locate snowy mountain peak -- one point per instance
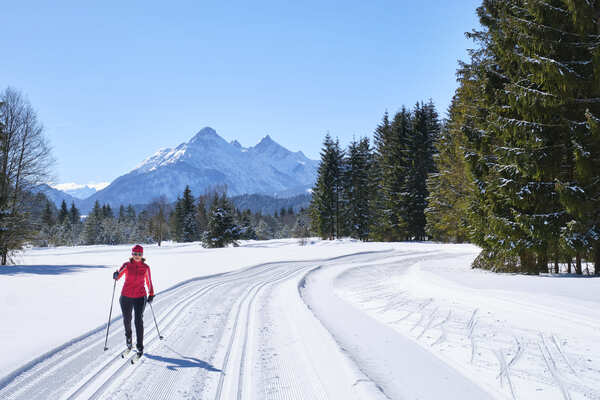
(266, 140)
(268, 145)
(208, 160)
(206, 131)
(206, 135)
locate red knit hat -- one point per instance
(137, 249)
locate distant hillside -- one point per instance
(268, 204)
(56, 196)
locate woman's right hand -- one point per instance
(116, 275)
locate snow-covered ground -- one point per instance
(275, 320)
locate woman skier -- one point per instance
(133, 295)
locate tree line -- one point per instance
(210, 218)
(519, 157)
(380, 192)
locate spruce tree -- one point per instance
(530, 84)
(130, 213)
(382, 136)
(92, 227)
(326, 201)
(396, 168)
(74, 215)
(107, 211)
(122, 216)
(247, 231)
(357, 188)
(451, 187)
(222, 229)
(578, 70)
(189, 228)
(177, 220)
(425, 129)
(63, 213)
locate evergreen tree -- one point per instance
(393, 154)
(122, 216)
(63, 213)
(425, 129)
(247, 231)
(48, 216)
(93, 225)
(222, 230)
(381, 137)
(576, 78)
(357, 189)
(130, 213)
(326, 202)
(177, 220)
(189, 228)
(451, 188)
(529, 71)
(107, 211)
(74, 215)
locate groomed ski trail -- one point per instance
(211, 332)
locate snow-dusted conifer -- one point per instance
(189, 229)
(326, 202)
(357, 187)
(222, 229)
(451, 187)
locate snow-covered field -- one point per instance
(275, 320)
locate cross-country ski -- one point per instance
(136, 358)
(125, 353)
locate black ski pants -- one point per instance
(137, 304)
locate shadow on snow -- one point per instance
(185, 362)
(45, 269)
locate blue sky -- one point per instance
(114, 82)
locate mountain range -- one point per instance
(204, 162)
(82, 192)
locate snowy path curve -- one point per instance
(211, 327)
(519, 337)
(396, 364)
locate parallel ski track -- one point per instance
(251, 295)
(179, 308)
(238, 309)
(82, 347)
(28, 377)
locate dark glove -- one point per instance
(150, 298)
(116, 275)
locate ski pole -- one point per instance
(112, 300)
(154, 316)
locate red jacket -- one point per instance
(136, 274)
